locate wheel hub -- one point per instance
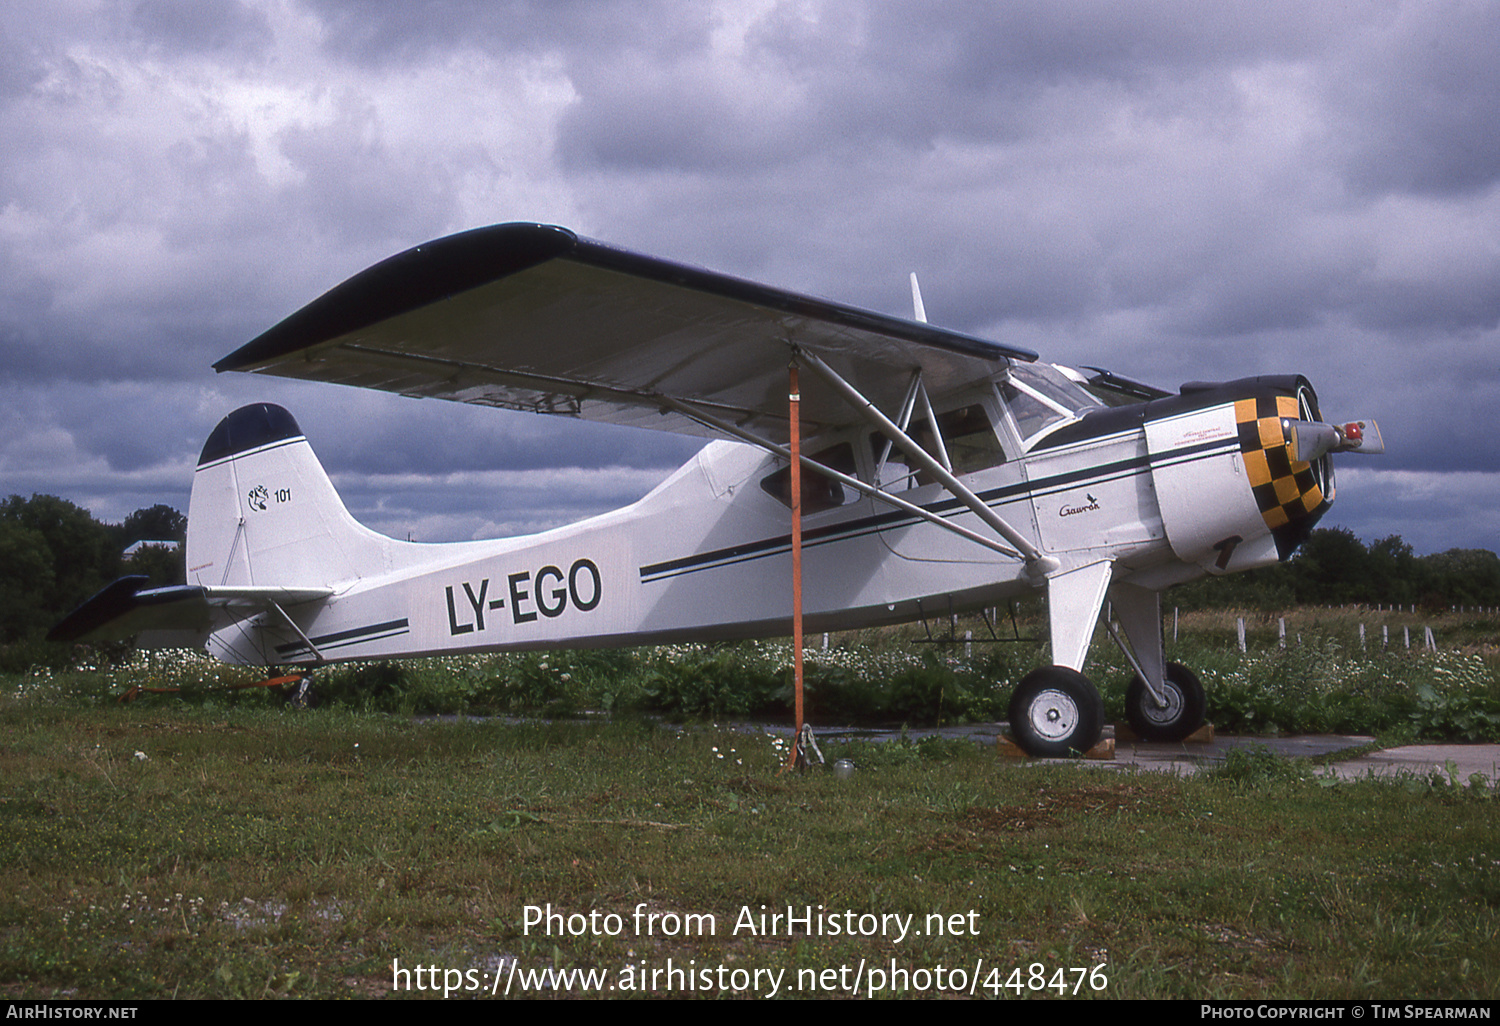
(1053, 715)
(1168, 713)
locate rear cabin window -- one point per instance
(818, 492)
(968, 435)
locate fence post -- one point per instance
(1361, 635)
(1240, 627)
(1281, 632)
(1430, 643)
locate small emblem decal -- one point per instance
(259, 496)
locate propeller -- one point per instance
(1309, 440)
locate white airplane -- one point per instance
(939, 472)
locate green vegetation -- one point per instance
(1334, 568)
(214, 843)
(54, 555)
(1320, 681)
(244, 850)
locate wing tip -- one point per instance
(407, 281)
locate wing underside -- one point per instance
(532, 317)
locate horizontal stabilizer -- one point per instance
(179, 616)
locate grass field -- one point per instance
(220, 847)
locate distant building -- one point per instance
(147, 544)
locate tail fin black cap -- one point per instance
(249, 427)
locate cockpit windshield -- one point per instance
(1042, 397)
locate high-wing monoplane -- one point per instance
(910, 469)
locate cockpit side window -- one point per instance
(1040, 397)
(818, 491)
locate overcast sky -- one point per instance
(1175, 190)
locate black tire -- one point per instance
(301, 695)
(1056, 712)
(1185, 709)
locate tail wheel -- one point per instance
(1056, 711)
(300, 695)
(1182, 714)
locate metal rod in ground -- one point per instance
(794, 403)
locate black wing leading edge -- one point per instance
(533, 317)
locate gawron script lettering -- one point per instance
(1068, 511)
(548, 591)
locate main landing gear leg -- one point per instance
(1056, 710)
(1165, 701)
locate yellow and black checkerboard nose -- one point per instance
(1284, 490)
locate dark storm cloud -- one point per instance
(1175, 190)
(1417, 96)
(820, 76)
(200, 26)
(380, 33)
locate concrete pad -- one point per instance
(1188, 758)
(1184, 758)
(1425, 760)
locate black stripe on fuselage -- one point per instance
(343, 639)
(949, 507)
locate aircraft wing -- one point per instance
(183, 615)
(533, 317)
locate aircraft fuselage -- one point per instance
(1163, 491)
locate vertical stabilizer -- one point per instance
(263, 511)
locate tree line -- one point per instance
(54, 555)
(1334, 568)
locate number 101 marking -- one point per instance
(283, 495)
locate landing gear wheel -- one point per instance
(301, 695)
(1056, 711)
(1184, 709)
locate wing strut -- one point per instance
(902, 422)
(276, 607)
(1039, 564)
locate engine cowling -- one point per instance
(1240, 480)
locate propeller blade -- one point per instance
(1361, 436)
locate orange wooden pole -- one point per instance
(794, 403)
